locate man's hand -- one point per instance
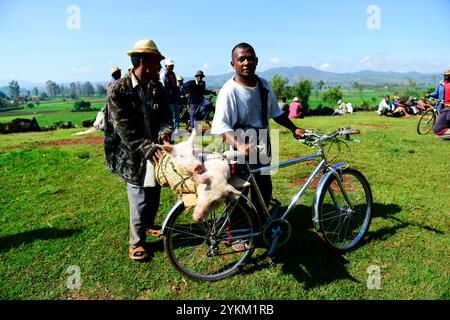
(298, 133)
(157, 156)
(246, 148)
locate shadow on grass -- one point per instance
(388, 211)
(306, 256)
(23, 238)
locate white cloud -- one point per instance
(206, 65)
(364, 59)
(275, 60)
(79, 70)
(325, 66)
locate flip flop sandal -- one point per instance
(153, 232)
(138, 253)
(241, 246)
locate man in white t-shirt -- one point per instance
(242, 106)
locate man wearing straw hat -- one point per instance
(169, 80)
(115, 75)
(137, 119)
(442, 91)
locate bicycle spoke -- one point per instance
(341, 225)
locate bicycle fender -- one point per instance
(319, 190)
(178, 206)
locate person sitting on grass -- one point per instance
(341, 110)
(422, 104)
(399, 108)
(411, 106)
(296, 109)
(385, 107)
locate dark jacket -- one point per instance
(171, 86)
(132, 129)
(196, 91)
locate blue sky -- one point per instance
(337, 36)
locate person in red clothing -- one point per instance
(295, 109)
(442, 91)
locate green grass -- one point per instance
(60, 207)
(53, 111)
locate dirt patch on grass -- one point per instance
(379, 125)
(63, 142)
(301, 182)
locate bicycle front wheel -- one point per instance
(426, 122)
(345, 214)
(212, 249)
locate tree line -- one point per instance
(74, 90)
(303, 89)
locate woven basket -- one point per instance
(168, 174)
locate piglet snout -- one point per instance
(199, 169)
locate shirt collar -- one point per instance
(135, 82)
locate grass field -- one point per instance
(50, 112)
(61, 208)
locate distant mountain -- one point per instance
(293, 74)
(331, 78)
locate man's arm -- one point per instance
(230, 138)
(287, 123)
(435, 94)
(124, 123)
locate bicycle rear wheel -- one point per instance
(426, 122)
(212, 249)
(344, 219)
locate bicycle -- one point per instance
(220, 246)
(428, 118)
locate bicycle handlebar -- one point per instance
(308, 136)
(311, 135)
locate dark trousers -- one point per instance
(264, 182)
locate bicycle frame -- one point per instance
(322, 166)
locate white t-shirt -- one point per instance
(237, 104)
(349, 107)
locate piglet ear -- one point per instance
(201, 178)
(167, 149)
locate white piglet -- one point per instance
(184, 156)
(213, 187)
(212, 177)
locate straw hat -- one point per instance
(295, 99)
(114, 70)
(180, 78)
(446, 72)
(146, 46)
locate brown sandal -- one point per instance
(137, 253)
(153, 232)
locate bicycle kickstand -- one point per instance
(276, 232)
